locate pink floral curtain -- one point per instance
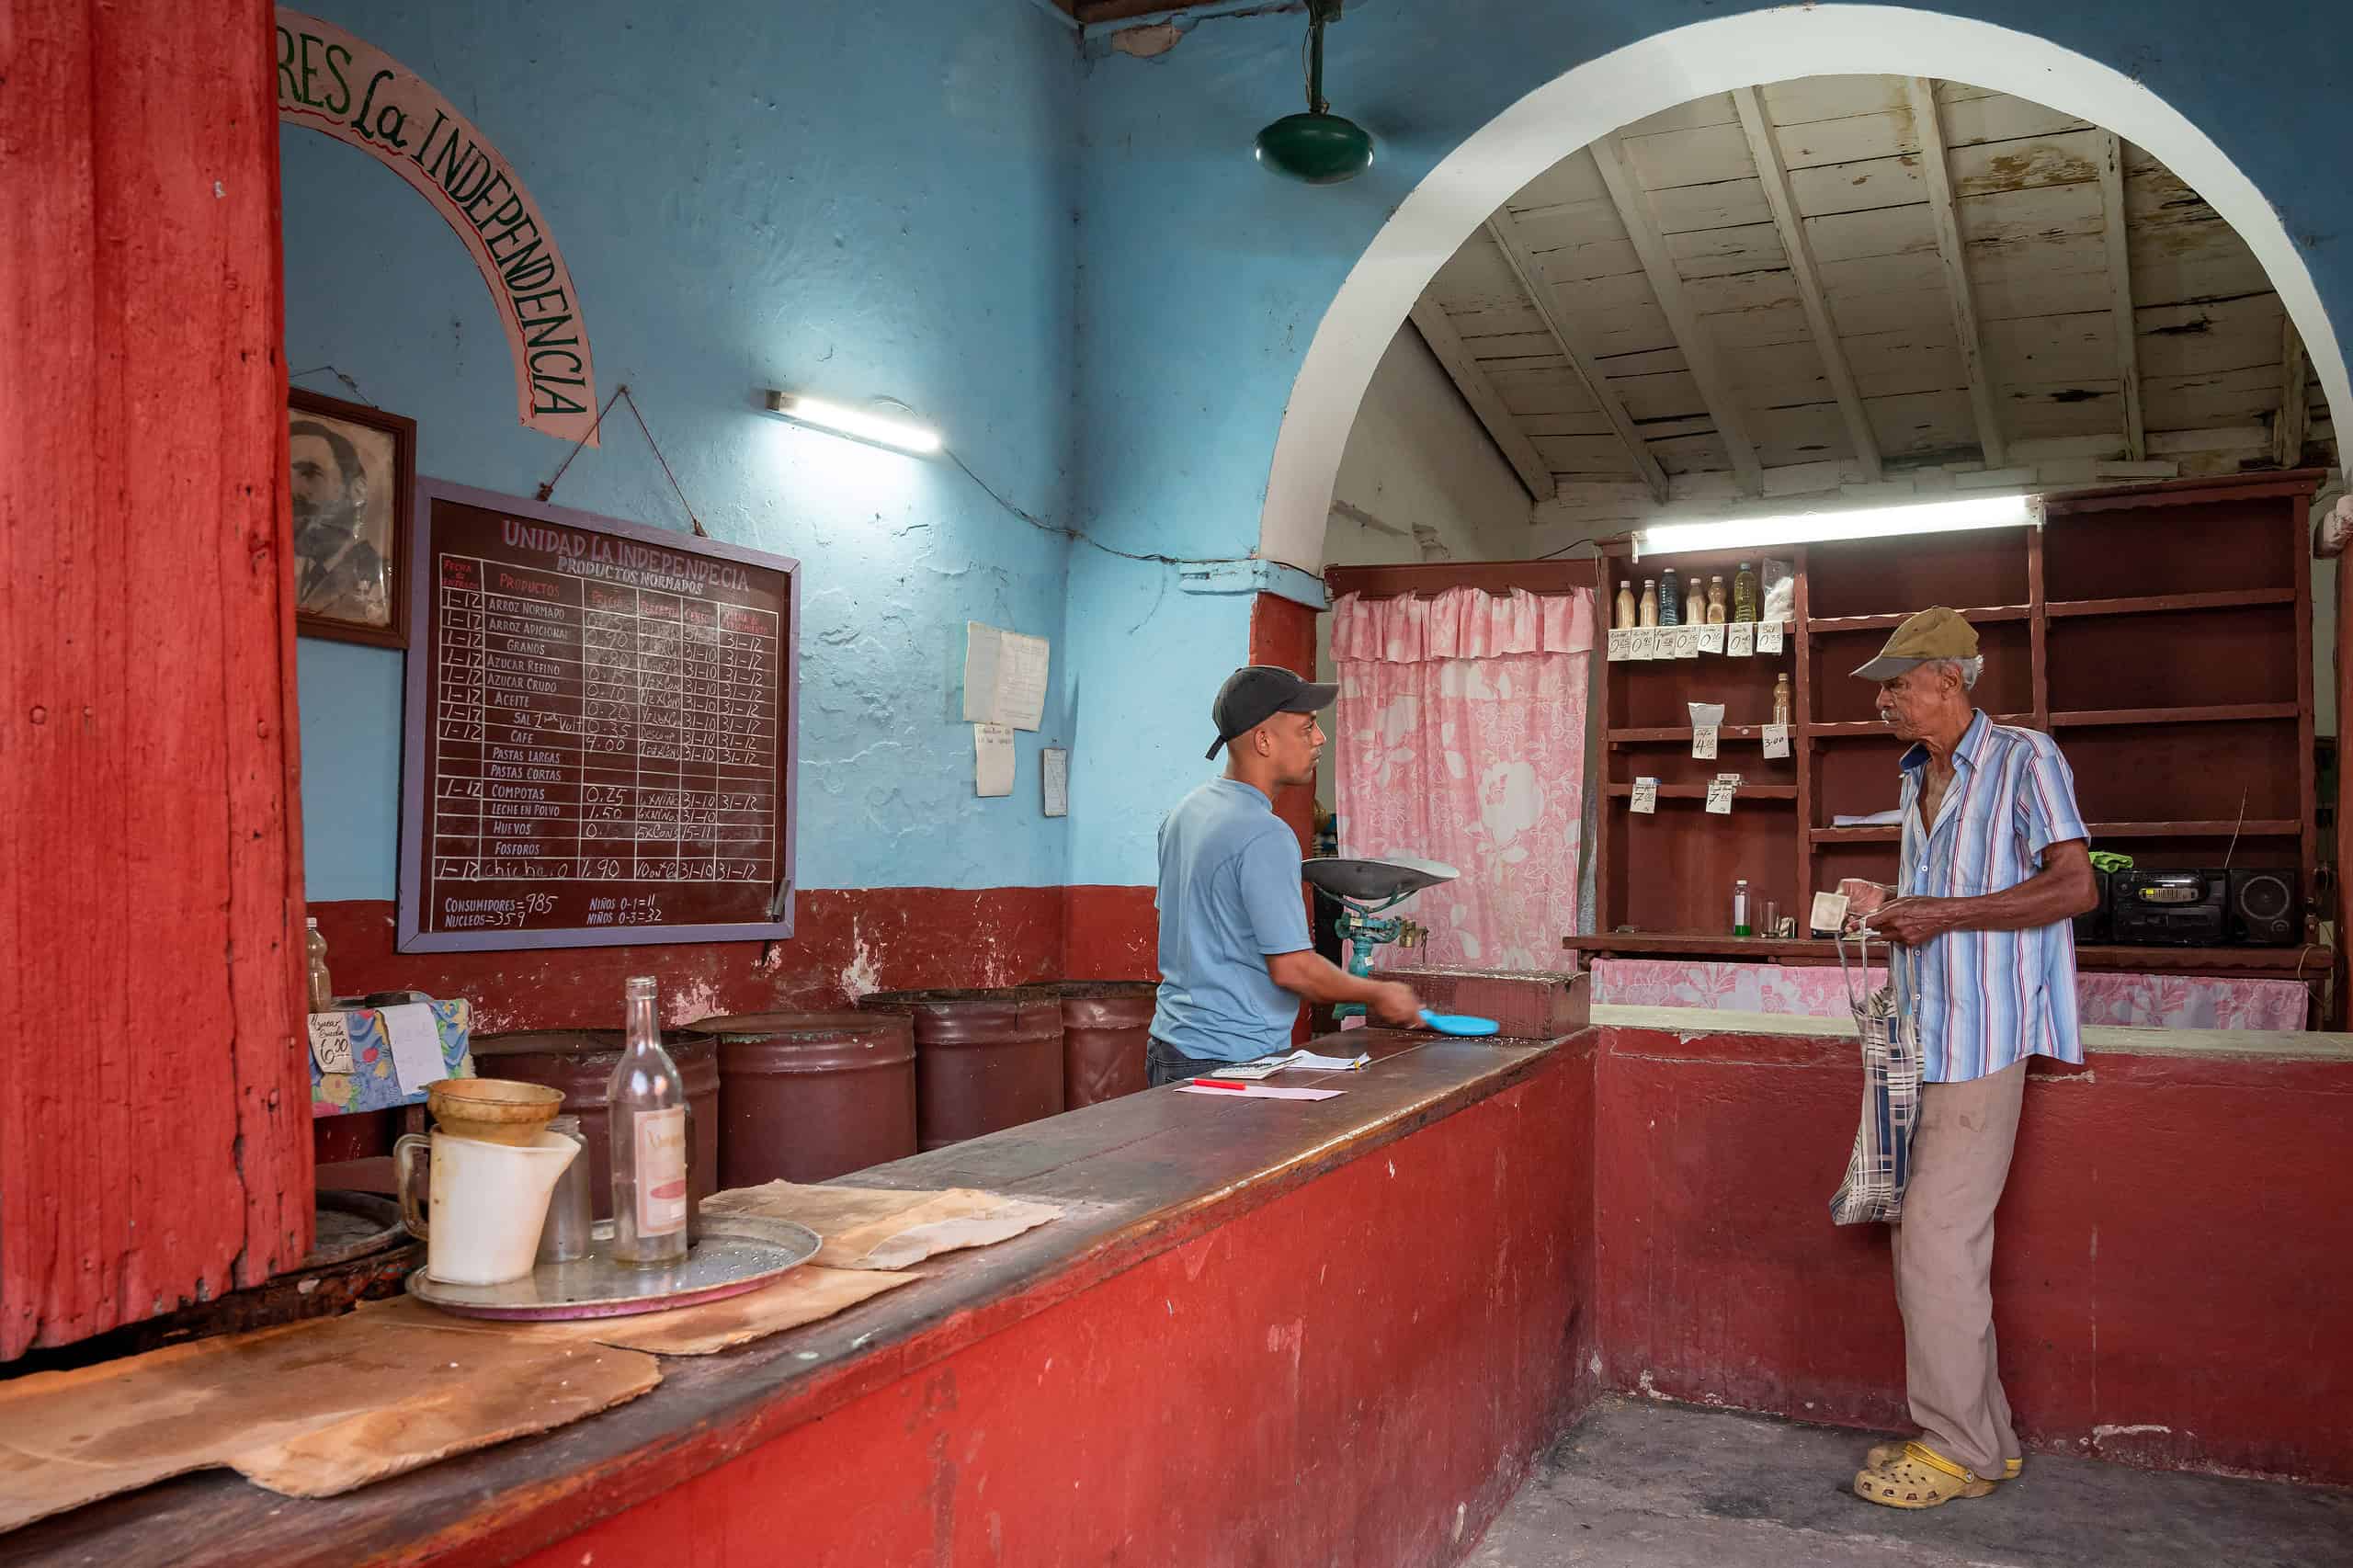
(1462, 739)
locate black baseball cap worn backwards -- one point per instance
(1256, 693)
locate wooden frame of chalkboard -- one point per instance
(575, 687)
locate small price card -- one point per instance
(1768, 636)
(1704, 741)
(1645, 802)
(1650, 643)
(331, 1043)
(1776, 740)
(1622, 644)
(1686, 641)
(1712, 638)
(1719, 795)
(1740, 639)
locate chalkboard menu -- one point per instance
(600, 725)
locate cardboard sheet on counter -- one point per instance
(308, 1410)
(868, 1227)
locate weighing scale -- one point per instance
(1363, 889)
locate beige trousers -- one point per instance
(1944, 1261)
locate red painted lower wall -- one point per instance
(2172, 1273)
(1358, 1373)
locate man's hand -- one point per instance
(1913, 921)
(1393, 1002)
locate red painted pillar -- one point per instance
(1282, 632)
(154, 1112)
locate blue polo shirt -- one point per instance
(1229, 898)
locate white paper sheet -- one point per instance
(992, 760)
(1053, 777)
(1258, 1092)
(1645, 797)
(416, 1046)
(1740, 639)
(1776, 740)
(1005, 677)
(1704, 741)
(1622, 644)
(331, 1043)
(1712, 638)
(1768, 636)
(1720, 794)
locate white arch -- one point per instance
(1674, 67)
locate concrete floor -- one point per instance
(1645, 1485)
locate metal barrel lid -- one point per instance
(1004, 1015)
(810, 1042)
(583, 1042)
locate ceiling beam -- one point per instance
(2119, 288)
(1523, 264)
(1691, 335)
(1946, 215)
(1429, 319)
(2287, 429)
(1767, 154)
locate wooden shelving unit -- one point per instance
(2162, 633)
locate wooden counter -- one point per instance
(1137, 1176)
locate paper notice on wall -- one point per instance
(1054, 775)
(1719, 792)
(1704, 741)
(1776, 740)
(1645, 802)
(1005, 677)
(1622, 644)
(416, 1046)
(992, 760)
(331, 1043)
(1712, 638)
(1768, 636)
(1740, 639)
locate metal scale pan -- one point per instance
(1379, 882)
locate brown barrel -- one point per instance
(1107, 1030)
(580, 1062)
(984, 1060)
(813, 1094)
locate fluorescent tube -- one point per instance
(882, 430)
(1806, 528)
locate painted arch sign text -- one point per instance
(332, 81)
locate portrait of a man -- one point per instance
(348, 473)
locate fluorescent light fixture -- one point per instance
(902, 435)
(1805, 528)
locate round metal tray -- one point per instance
(738, 1253)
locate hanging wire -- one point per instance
(1082, 537)
(621, 394)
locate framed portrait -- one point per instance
(352, 470)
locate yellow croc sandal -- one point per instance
(1885, 1454)
(1918, 1478)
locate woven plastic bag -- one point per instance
(1881, 1162)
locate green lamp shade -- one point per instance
(1321, 149)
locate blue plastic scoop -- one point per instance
(1458, 1023)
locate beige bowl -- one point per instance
(496, 1111)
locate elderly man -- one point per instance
(1993, 866)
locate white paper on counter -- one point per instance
(416, 1046)
(1776, 740)
(992, 760)
(1259, 1092)
(1005, 677)
(1768, 636)
(1053, 777)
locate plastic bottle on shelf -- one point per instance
(1781, 696)
(322, 987)
(1650, 602)
(1695, 601)
(1670, 599)
(1626, 610)
(1740, 926)
(1716, 607)
(1743, 593)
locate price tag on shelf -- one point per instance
(1776, 740)
(1704, 741)
(1768, 636)
(1712, 638)
(1740, 639)
(1719, 795)
(1645, 800)
(1646, 642)
(1686, 641)
(1622, 644)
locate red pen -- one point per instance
(1214, 1084)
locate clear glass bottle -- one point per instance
(1670, 599)
(1716, 607)
(1650, 602)
(1743, 592)
(1627, 611)
(322, 986)
(1781, 696)
(646, 1109)
(1740, 926)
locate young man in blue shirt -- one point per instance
(1236, 958)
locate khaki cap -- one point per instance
(1937, 633)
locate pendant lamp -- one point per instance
(1317, 147)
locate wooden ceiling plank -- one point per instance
(1941, 208)
(1799, 252)
(1503, 230)
(1690, 334)
(1430, 320)
(2288, 430)
(2119, 282)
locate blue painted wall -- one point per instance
(1203, 279)
(856, 200)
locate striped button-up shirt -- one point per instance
(1987, 999)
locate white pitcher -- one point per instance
(488, 1201)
